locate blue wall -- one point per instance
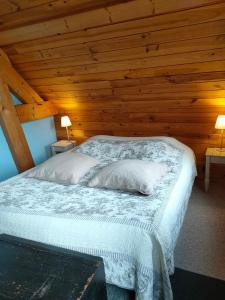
(39, 134)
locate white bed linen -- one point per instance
(66, 232)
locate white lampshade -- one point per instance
(65, 121)
(220, 122)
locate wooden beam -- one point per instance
(34, 111)
(13, 131)
(16, 83)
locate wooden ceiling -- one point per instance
(141, 67)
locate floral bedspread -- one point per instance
(119, 226)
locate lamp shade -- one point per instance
(65, 121)
(220, 122)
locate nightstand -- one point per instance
(62, 146)
(215, 156)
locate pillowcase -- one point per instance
(66, 168)
(130, 175)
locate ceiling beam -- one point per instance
(11, 115)
(16, 83)
(13, 131)
(34, 111)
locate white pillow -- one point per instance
(66, 168)
(130, 175)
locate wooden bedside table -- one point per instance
(62, 146)
(215, 156)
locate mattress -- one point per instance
(134, 234)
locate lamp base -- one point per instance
(67, 132)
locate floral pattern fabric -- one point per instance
(136, 214)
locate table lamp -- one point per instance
(220, 124)
(65, 122)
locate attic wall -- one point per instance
(137, 68)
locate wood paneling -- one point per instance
(124, 67)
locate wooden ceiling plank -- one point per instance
(77, 49)
(143, 8)
(142, 86)
(151, 62)
(75, 94)
(145, 99)
(173, 128)
(182, 69)
(211, 77)
(106, 96)
(118, 80)
(13, 131)
(162, 6)
(131, 10)
(116, 115)
(94, 85)
(78, 79)
(148, 105)
(185, 69)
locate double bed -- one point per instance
(135, 234)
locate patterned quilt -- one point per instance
(121, 227)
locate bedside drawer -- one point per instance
(65, 148)
(62, 146)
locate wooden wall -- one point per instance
(131, 68)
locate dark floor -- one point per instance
(191, 286)
(185, 285)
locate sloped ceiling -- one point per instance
(142, 67)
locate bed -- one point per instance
(135, 234)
